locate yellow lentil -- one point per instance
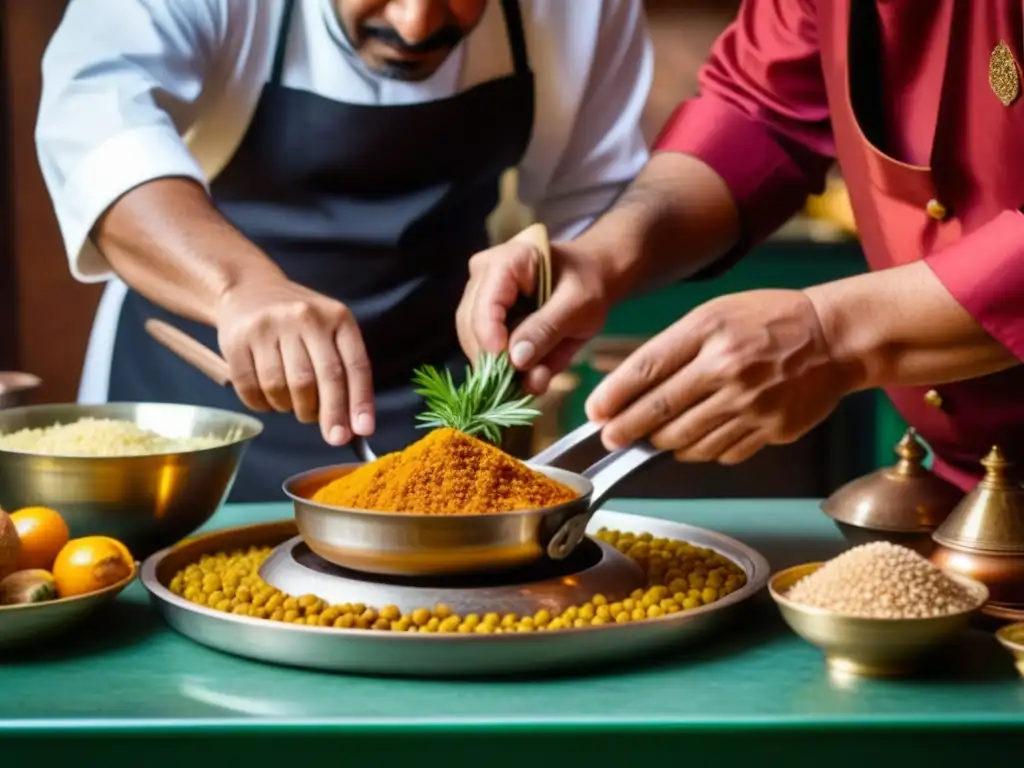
(680, 577)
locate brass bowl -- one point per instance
(869, 647)
(1012, 638)
(147, 502)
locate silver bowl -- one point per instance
(147, 502)
(411, 544)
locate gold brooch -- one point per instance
(1003, 75)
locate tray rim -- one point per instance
(757, 569)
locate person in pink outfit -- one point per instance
(920, 103)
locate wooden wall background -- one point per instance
(45, 315)
(53, 312)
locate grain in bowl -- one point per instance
(883, 581)
(102, 438)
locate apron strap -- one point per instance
(282, 42)
(516, 38)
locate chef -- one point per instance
(300, 183)
(921, 104)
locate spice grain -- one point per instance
(445, 473)
(882, 581)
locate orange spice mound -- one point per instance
(445, 473)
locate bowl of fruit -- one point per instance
(50, 582)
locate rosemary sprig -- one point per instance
(487, 402)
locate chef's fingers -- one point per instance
(331, 385)
(656, 407)
(301, 378)
(360, 378)
(271, 376)
(501, 275)
(744, 449)
(690, 429)
(561, 356)
(650, 365)
(538, 378)
(711, 446)
(243, 377)
(541, 333)
(464, 322)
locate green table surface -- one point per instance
(125, 684)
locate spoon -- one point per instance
(216, 367)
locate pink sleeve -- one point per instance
(761, 120)
(984, 272)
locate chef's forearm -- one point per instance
(677, 217)
(167, 241)
(901, 327)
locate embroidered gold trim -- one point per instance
(1003, 74)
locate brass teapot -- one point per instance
(983, 538)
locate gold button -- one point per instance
(933, 398)
(936, 210)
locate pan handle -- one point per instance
(605, 475)
(608, 473)
(575, 451)
(214, 366)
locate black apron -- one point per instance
(377, 207)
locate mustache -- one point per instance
(445, 38)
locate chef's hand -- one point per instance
(736, 374)
(547, 340)
(292, 349)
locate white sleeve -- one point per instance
(121, 79)
(606, 149)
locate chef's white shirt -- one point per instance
(136, 90)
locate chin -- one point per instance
(408, 70)
(404, 72)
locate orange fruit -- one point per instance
(90, 564)
(43, 534)
(10, 545)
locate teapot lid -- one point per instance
(905, 497)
